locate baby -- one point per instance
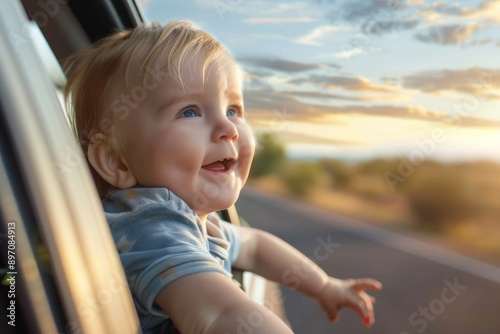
(159, 114)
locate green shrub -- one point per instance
(340, 173)
(270, 155)
(437, 197)
(300, 178)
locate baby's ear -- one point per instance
(108, 164)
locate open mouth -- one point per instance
(220, 166)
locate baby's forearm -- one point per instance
(280, 262)
(255, 319)
(271, 257)
(210, 302)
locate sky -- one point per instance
(362, 79)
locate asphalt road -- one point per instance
(426, 289)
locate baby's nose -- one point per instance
(225, 130)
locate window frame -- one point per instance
(67, 214)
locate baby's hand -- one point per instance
(340, 293)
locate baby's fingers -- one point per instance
(369, 318)
(361, 284)
(362, 304)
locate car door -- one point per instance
(60, 269)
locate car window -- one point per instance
(67, 272)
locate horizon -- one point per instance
(360, 155)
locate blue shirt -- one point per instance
(160, 239)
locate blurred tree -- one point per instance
(269, 157)
(438, 196)
(340, 173)
(301, 178)
(378, 166)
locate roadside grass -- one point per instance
(454, 206)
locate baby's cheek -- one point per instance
(245, 159)
(246, 142)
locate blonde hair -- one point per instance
(98, 75)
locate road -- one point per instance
(426, 289)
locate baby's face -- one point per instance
(193, 140)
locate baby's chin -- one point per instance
(220, 204)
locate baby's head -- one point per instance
(162, 106)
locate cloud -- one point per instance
(376, 17)
(321, 96)
(439, 12)
(350, 53)
(413, 112)
(239, 40)
(488, 10)
(357, 97)
(278, 20)
(379, 17)
(303, 139)
(266, 103)
(361, 9)
(359, 84)
(256, 79)
(281, 65)
(380, 27)
(319, 35)
(480, 82)
(449, 34)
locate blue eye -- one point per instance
(231, 113)
(190, 112)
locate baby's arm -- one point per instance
(210, 302)
(274, 259)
